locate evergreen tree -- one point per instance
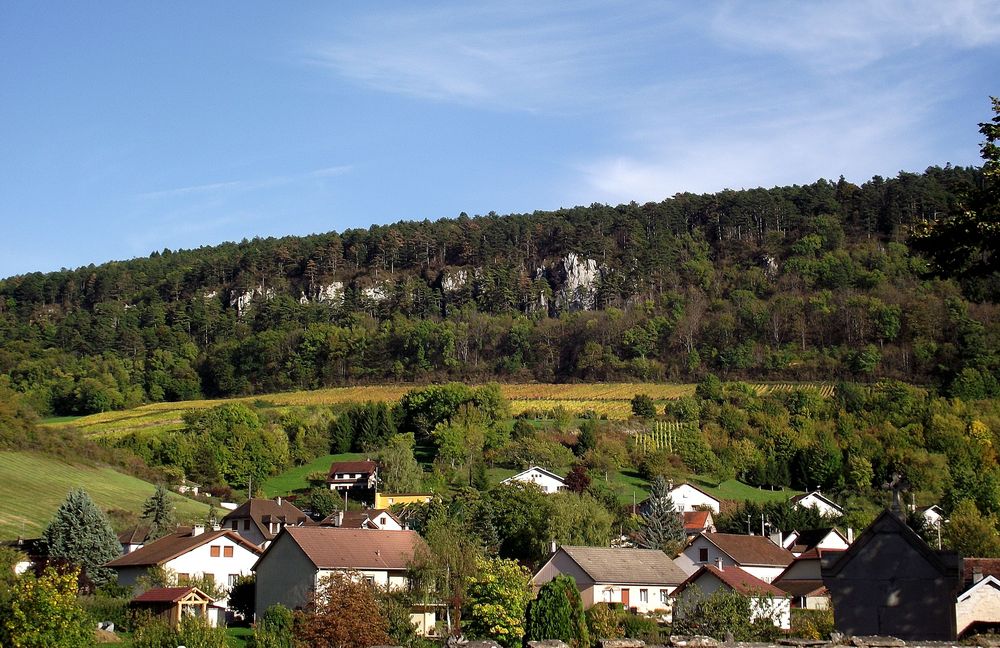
(661, 527)
(81, 534)
(557, 613)
(158, 513)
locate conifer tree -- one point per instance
(557, 613)
(661, 527)
(158, 513)
(81, 534)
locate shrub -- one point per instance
(812, 624)
(603, 622)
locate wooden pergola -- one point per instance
(174, 603)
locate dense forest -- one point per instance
(792, 283)
(897, 278)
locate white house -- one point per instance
(756, 555)
(823, 504)
(548, 481)
(642, 579)
(980, 604)
(300, 557)
(766, 600)
(803, 579)
(933, 515)
(800, 542)
(689, 498)
(220, 556)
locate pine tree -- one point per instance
(158, 513)
(81, 534)
(661, 527)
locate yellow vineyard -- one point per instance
(611, 400)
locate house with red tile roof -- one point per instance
(696, 522)
(803, 579)
(191, 552)
(292, 566)
(766, 600)
(757, 555)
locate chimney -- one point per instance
(718, 563)
(977, 574)
(197, 530)
(216, 527)
(338, 519)
(278, 499)
(850, 535)
(553, 546)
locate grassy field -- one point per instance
(33, 486)
(295, 478)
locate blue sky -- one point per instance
(129, 127)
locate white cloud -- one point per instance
(246, 185)
(843, 36)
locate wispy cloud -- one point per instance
(246, 185)
(838, 37)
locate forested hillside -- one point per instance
(815, 282)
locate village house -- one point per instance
(696, 522)
(766, 600)
(803, 580)
(548, 481)
(292, 567)
(639, 579)
(353, 476)
(757, 555)
(817, 500)
(219, 556)
(890, 582)
(977, 610)
(688, 498)
(800, 542)
(133, 538)
(375, 519)
(388, 500)
(259, 520)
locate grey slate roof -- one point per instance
(626, 566)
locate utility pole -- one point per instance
(749, 518)
(762, 525)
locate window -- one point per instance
(235, 524)
(643, 596)
(232, 579)
(664, 596)
(703, 555)
(381, 521)
(183, 578)
(246, 525)
(227, 552)
(607, 595)
(370, 580)
(214, 550)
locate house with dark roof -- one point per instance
(803, 580)
(220, 556)
(259, 520)
(800, 542)
(378, 520)
(766, 600)
(639, 579)
(817, 500)
(757, 555)
(293, 565)
(353, 476)
(134, 538)
(891, 582)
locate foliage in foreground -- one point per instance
(557, 613)
(343, 613)
(498, 599)
(43, 612)
(725, 612)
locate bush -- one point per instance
(101, 608)
(812, 624)
(643, 406)
(274, 629)
(637, 626)
(604, 622)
